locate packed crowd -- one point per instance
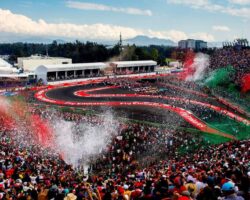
(141, 145)
(169, 86)
(133, 85)
(238, 58)
(142, 162)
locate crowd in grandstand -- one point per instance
(142, 162)
(133, 85)
(238, 58)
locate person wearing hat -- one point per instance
(127, 192)
(70, 196)
(229, 192)
(191, 188)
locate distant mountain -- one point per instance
(41, 40)
(142, 40)
(12, 38)
(214, 44)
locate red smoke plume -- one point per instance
(41, 130)
(15, 115)
(188, 70)
(245, 83)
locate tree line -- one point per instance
(81, 52)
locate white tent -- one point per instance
(134, 66)
(43, 70)
(3, 63)
(141, 63)
(6, 68)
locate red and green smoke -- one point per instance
(245, 83)
(14, 115)
(188, 69)
(219, 77)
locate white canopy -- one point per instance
(3, 63)
(140, 63)
(6, 68)
(70, 67)
(42, 70)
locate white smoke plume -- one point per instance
(201, 63)
(78, 143)
(4, 105)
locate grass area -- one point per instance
(209, 138)
(224, 124)
(235, 96)
(16, 98)
(228, 125)
(170, 60)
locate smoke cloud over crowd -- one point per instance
(78, 143)
(199, 66)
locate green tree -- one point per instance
(154, 54)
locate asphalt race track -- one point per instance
(163, 109)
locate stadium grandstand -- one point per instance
(68, 71)
(32, 62)
(131, 67)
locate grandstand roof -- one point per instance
(70, 67)
(134, 63)
(15, 75)
(3, 63)
(41, 57)
(7, 70)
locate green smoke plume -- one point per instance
(220, 77)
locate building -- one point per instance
(175, 64)
(192, 44)
(3, 63)
(32, 62)
(48, 73)
(131, 67)
(6, 68)
(17, 80)
(182, 44)
(237, 43)
(46, 69)
(200, 44)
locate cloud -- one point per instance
(240, 2)
(202, 36)
(15, 24)
(212, 7)
(20, 24)
(196, 4)
(193, 3)
(221, 28)
(176, 35)
(239, 12)
(102, 7)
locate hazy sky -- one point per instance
(104, 20)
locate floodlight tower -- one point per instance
(120, 43)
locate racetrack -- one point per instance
(163, 109)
